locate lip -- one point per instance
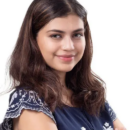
(66, 56)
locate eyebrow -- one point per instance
(77, 30)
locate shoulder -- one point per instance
(26, 99)
(22, 99)
(116, 122)
(110, 111)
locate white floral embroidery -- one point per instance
(83, 128)
(107, 127)
(13, 97)
(23, 99)
(106, 124)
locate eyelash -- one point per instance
(60, 35)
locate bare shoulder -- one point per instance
(118, 124)
(33, 120)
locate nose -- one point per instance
(67, 44)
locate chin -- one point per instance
(67, 69)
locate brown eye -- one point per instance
(78, 35)
(55, 36)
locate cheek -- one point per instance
(81, 47)
(46, 46)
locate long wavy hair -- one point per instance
(27, 66)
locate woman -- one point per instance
(54, 86)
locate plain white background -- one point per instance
(109, 22)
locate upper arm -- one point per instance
(110, 110)
(32, 120)
(117, 124)
(27, 111)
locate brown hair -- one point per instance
(28, 68)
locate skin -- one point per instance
(62, 43)
(118, 125)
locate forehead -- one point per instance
(68, 23)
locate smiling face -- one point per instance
(62, 41)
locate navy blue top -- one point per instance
(68, 118)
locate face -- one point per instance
(61, 46)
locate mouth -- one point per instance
(66, 58)
(66, 55)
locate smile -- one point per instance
(66, 58)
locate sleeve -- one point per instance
(110, 111)
(23, 99)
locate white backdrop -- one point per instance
(109, 22)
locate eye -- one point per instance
(78, 34)
(55, 36)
